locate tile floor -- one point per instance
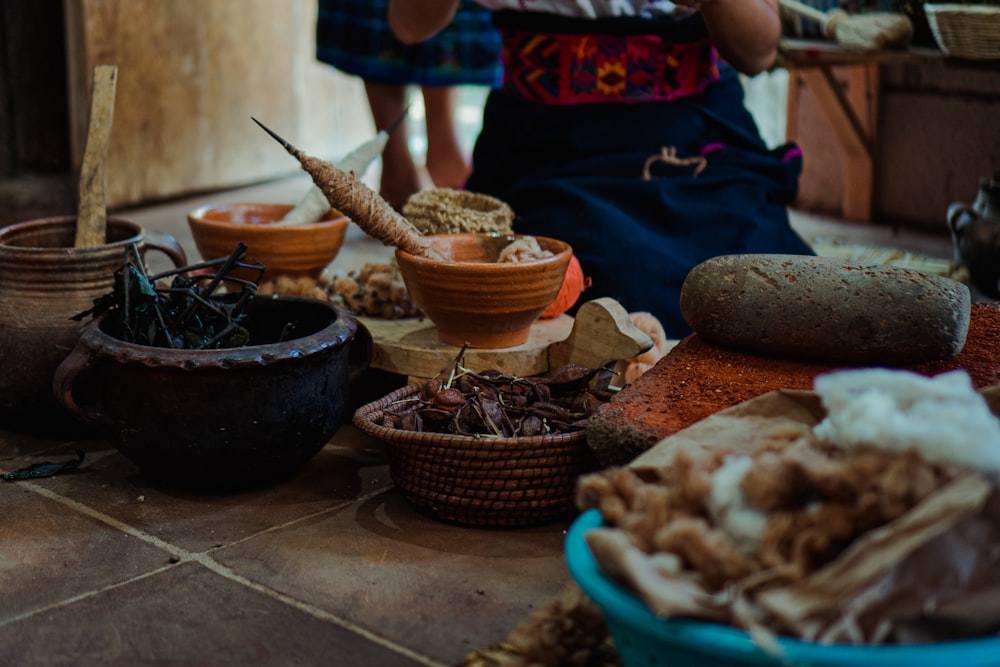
(332, 567)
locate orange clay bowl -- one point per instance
(476, 301)
(290, 250)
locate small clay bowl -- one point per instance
(285, 250)
(474, 300)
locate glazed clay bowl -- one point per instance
(474, 300)
(44, 282)
(228, 418)
(297, 250)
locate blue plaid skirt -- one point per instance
(354, 36)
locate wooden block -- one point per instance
(411, 347)
(601, 332)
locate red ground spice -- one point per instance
(698, 378)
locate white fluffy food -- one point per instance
(944, 417)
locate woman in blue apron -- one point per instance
(620, 128)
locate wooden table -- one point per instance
(853, 113)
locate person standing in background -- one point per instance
(620, 128)
(354, 37)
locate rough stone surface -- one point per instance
(826, 309)
(698, 378)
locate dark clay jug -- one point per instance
(975, 233)
(222, 419)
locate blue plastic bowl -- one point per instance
(642, 639)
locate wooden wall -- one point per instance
(937, 135)
(191, 73)
(35, 162)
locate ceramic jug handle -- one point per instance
(960, 214)
(166, 244)
(78, 361)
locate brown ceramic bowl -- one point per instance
(473, 299)
(290, 250)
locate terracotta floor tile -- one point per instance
(50, 552)
(349, 467)
(187, 615)
(441, 589)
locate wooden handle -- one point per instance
(91, 221)
(805, 11)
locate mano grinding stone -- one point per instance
(826, 309)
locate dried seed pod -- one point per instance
(430, 388)
(470, 418)
(466, 384)
(448, 399)
(571, 374)
(435, 415)
(542, 393)
(530, 426)
(494, 417)
(550, 411)
(411, 421)
(517, 401)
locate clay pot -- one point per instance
(221, 419)
(472, 298)
(284, 250)
(975, 233)
(44, 282)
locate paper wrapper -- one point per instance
(932, 574)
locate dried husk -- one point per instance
(930, 575)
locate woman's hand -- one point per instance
(415, 21)
(745, 32)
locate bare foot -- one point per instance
(397, 191)
(397, 186)
(447, 171)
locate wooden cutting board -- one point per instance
(600, 333)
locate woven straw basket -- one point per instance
(966, 31)
(481, 480)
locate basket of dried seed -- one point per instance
(488, 449)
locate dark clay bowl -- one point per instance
(221, 419)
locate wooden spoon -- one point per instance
(92, 217)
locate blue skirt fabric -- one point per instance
(354, 37)
(575, 172)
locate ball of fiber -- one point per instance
(573, 285)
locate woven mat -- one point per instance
(887, 255)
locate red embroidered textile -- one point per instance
(553, 68)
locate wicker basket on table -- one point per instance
(480, 480)
(966, 30)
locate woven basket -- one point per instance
(481, 480)
(966, 31)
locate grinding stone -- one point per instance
(826, 309)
